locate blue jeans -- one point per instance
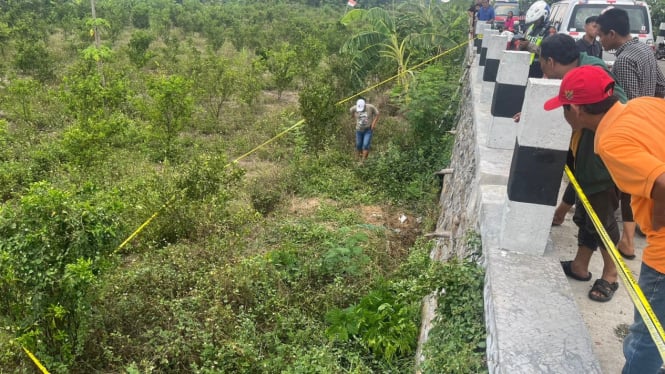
(641, 354)
(363, 139)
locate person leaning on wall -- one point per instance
(637, 71)
(629, 139)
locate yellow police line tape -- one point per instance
(166, 204)
(636, 295)
(147, 222)
(448, 51)
(35, 360)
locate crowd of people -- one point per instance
(617, 154)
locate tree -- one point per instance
(321, 113)
(377, 36)
(171, 108)
(138, 48)
(283, 64)
(415, 32)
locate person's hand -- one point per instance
(517, 117)
(523, 45)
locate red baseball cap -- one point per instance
(586, 84)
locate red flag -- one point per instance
(351, 3)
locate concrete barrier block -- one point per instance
(486, 92)
(492, 199)
(514, 68)
(525, 227)
(483, 48)
(496, 45)
(502, 133)
(481, 26)
(480, 30)
(540, 128)
(533, 323)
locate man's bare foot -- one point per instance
(560, 214)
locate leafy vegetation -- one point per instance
(457, 338)
(144, 231)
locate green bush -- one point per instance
(266, 190)
(55, 243)
(456, 342)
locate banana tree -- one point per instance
(377, 42)
(417, 31)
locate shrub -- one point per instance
(322, 114)
(266, 190)
(456, 342)
(386, 321)
(55, 243)
(138, 48)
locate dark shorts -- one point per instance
(626, 210)
(604, 204)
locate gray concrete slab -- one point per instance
(533, 317)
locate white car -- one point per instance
(568, 17)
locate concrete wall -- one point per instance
(532, 321)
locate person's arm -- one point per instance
(630, 78)
(491, 15)
(376, 119)
(658, 197)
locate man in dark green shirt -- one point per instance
(559, 55)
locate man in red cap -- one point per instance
(630, 141)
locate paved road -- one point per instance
(606, 322)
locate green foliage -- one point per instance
(433, 102)
(404, 171)
(55, 241)
(329, 174)
(88, 95)
(386, 321)
(170, 109)
(405, 174)
(266, 190)
(318, 106)
(347, 258)
(20, 93)
(228, 78)
(283, 64)
(657, 14)
(89, 141)
(138, 48)
(456, 342)
(145, 123)
(141, 16)
(34, 59)
(384, 326)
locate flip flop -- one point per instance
(604, 288)
(627, 257)
(567, 269)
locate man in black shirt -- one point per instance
(588, 43)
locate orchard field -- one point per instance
(179, 193)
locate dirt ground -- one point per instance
(404, 228)
(607, 322)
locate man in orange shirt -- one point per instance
(630, 141)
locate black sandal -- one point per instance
(568, 270)
(604, 288)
